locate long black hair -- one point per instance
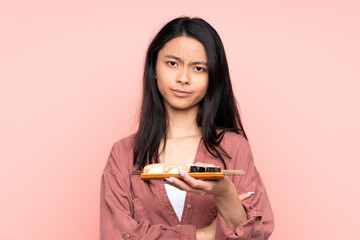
(217, 111)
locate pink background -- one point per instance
(70, 85)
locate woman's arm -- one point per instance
(225, 195)
(116, 220)
(259, 222)
(117, 206)
(208, 233)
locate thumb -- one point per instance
(244, 196)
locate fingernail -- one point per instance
(250, 193)
(169, 180)
(181, 173)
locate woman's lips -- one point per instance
(180, 93)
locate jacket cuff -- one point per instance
(243, 231)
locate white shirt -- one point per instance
(177, 199)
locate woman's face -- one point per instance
(182, 73)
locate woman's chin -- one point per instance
(182, 107)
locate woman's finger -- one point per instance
(198, 184)
(182, 185)
(244, 196)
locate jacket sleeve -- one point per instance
(260, 219)
(116, 211)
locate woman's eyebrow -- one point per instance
(180, 60)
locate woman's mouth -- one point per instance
(180, 93)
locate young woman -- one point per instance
(188, 115)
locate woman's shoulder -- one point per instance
(234, 144)
(239, 150)
(124, 143)
(120, 157)
(234, 139)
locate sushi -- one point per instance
(213, 169)
(196, 169)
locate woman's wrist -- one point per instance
(230, 206)
(228, 190)
(207, 233)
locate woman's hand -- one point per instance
(224, 192)
(201, 187)
(217, 188)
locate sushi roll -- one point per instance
(213, 169)
(196, 169)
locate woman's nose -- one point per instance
(183, 77)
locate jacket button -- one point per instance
(126, 235)
(188, 206)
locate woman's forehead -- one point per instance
(185, 48)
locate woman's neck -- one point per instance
(182, 123)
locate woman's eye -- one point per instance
(199, 69)
(171, 63)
